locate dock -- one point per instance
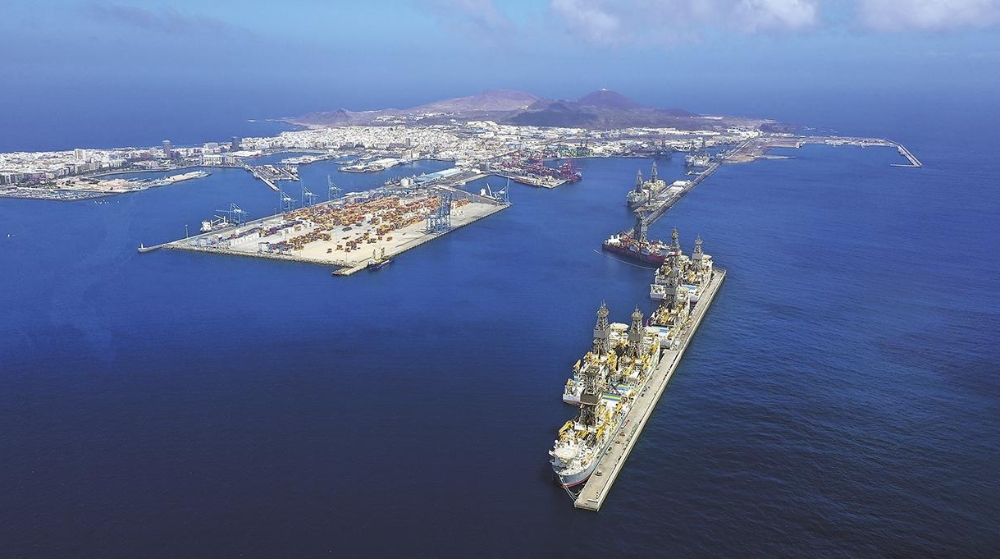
(756, 148)
(306, 236)
(655, 210)
(592, 496)
(799, 141)
(269, 174)
(914, 162)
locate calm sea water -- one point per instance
(841, 398)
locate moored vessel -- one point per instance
(378, 262)
(634, 245)
(610, 375)
(645, 191)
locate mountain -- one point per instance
(601, 109)
(492, 100)
(606, 99)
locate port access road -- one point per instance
(597, 487)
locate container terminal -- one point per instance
(618, 383)
(348, 232)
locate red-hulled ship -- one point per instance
(568, 173)
(635, 246)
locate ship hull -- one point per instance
(573, 480)
(647, 257)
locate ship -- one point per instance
(612, 374)
(657, 289)
(568, 173)
(697, 160)
(378, 262)
(679, 285)
(219, 222)
(634, 245)
(645, 191)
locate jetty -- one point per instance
(592, 496)
(756, 148)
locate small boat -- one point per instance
(378, 262)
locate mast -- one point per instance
(697, 254)
(593, 380)
(602, 332)
(635, 334)
(673, 283)
(639, 232)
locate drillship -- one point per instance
(690, 270)
(611, 377)
(645, 191)
(678, 287)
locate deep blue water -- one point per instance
(841, 398)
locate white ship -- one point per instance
(697, 160)
(610, 377)
(679, 284)
(645, 191)
(690, 275)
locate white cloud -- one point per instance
(760, 15)
(657, 21)
(589, 19)
(927, 15)
(611, 22)
(480, 14)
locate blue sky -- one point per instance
(327, 54)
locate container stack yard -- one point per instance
(349, 232)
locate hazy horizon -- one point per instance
(316, 56)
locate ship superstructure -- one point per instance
(605, 383)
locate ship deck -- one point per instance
(596, 489)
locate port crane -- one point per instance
(502, 195)
(439, 221)
(308, 198)
(235, 214)
(334, 190)
(286, 201)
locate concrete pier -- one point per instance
(914, 162)
(655, 210)
(597, 487)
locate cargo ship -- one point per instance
(612, 374)
(645, 191)
(378, 262)
(635, 246)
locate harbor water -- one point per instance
(840, 399)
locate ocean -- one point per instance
(840, 399)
